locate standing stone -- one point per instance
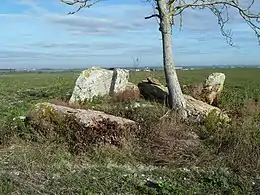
(121, 77)
(209, 91)
(213, 87)
(99, 82)
(215, 79)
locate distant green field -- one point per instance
(18, 92)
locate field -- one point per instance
(228, 163)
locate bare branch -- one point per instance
(155, 10)
(219, 8)
(152, 16)
(83, 4)
(204, 4)
(222, 21)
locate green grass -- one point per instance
(33, 169)
(20, 91)
(228, 163)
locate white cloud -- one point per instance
(113, 32)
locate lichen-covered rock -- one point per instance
(87, 127)
(215, 79)
(153, 80)
(130, 93)
(99, 82)
(120, 80)
(209, 91)
(213, 87)
(197, 110)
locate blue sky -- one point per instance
(39, 34)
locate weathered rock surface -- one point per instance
(152, 80)
(99, 82)
(86, 117)
(215, 79)
(197, 110)
(94, 127)
(209, 91)
(213, 87)
(130, 93)
(153, 92)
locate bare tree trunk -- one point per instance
(176, 98)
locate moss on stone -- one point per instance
(46, 111)
(86, 73)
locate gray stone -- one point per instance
(153, 92)
(121, 77)
(153, 80)
(85, 116)
(215, 79)
(47, 117)
(99, 82)
(209, 91)
(213, 87)
(197, 110)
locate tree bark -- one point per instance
(176, 99)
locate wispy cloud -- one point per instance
(97, 26)
(40, 33)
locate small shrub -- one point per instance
(171, 142)
(235, 145)
(194, 90)
(127, 95)
(144, 116)
(250, 110)
(11, 128)
(214, 121)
